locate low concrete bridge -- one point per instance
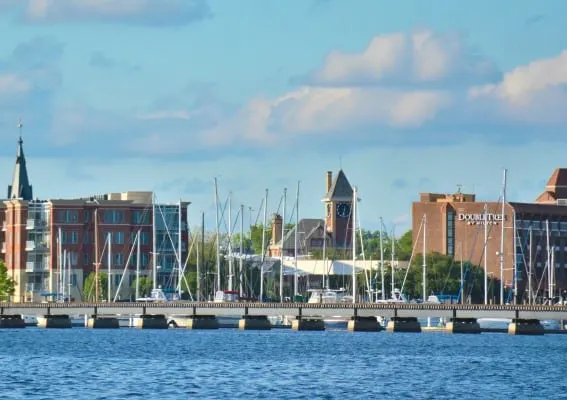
(291, 309)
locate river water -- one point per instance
(80, 363)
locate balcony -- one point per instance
(36, 246)
(35, 224)
(37, 266)
(35, 287)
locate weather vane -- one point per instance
(20, 126)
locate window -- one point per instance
(74, 257)
(85, 258)
(450, 232)
(144, 238)
(113, 217)
(554, 226)
(140, 218)
(118, 237)
(117, 279)
(67, 216)
(145, 259)
(316, 242)
(86, 216)
(86, 238)
(74, 237)
(118, 259)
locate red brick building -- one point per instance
(36, 233)
(455, 225)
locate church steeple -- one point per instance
(20, 187)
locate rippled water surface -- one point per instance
(226, 364)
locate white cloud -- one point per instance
(147, 12)
(11, 84)
(422, 57)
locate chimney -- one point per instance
(329, 180)
(277, 222)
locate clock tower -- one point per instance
(338, 209)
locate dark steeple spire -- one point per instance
(20, 187)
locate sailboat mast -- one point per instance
(354, 198)
(241, 259)
(326, 269)
(503, 221)
(530, 300)
(548, 259)
(392, 261)
(485, 253)
(217, 236)
(230, 264)
(515, 259)
(97, 260)
(59, 258)
(62, 276)
(424, 277)
(382, 260)
(179, 247)
(282, 247)
(263, 246)
(462, 278)
(138, 262)
(69, 277)
(108, 280)
(201, 263)
(296, 242)
(154, 244)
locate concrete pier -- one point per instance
(202, 322)
(403, 324)
(462, 325)
(12, 321)
(151, 321)
(364, 324)
(98, 322)
(520, 326)
(54, 321)
(254, 322)
(308, 324)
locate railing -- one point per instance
(32, 245)
(34, 266)
(34, 223)
(35, 288)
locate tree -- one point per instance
(89, 287)
(7, 284)
(146, 285)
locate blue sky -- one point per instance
(164, 95)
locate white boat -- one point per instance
(30, 319)
(397, 297)
(226, 296)
(326, 296)
(158, 296)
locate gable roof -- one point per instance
(340, 190)
(309, 228)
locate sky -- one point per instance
(165, 95)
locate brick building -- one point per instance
(455, 225)
(311, 234)
(36, 234)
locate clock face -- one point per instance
(343, 210)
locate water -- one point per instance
(228, 364)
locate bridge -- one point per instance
(540, 312)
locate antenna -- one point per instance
(459, 187)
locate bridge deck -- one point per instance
(294, 309)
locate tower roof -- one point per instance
(20, 187)
(340, 190)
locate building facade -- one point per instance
(335, 228)
(534, 235)
(50, 246)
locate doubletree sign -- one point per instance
(481, 219)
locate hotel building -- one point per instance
(455, 224)
(35, 235)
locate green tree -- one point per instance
(146, 285)
(404, 246)
(89, 287)
(7, 284)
